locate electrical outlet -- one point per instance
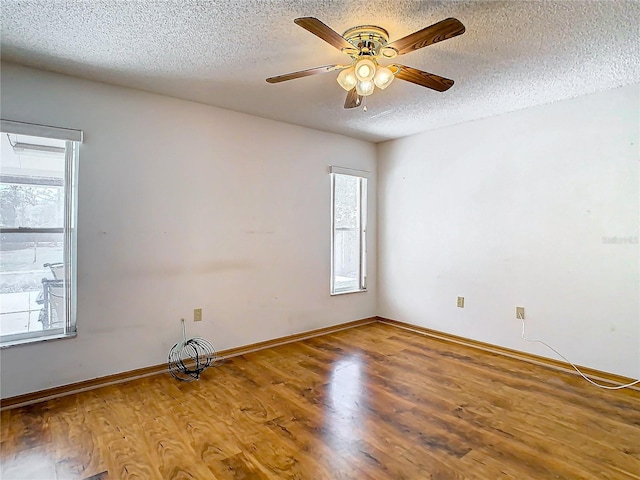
(197, 315)
(460, 302)
(520, 313)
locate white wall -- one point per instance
(512, 210)
(181, 206)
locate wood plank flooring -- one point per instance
(370, 403)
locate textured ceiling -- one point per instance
(514, 54)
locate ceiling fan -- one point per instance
(367, 44)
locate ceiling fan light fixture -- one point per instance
(383, 77)
(365, 69)
(365, 88)
(347, 78)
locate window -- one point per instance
(37, 232)
(348, 230)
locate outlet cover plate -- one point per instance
(460, 302)
(197, 315)
(520, 313)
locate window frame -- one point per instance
(362, 196)
(73, 139)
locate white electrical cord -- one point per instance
(617, 387)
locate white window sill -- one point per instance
(348, 291)
(43, 338)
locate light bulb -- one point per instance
(365, 88)
(347, 78)
(365, 69)
(383, 77)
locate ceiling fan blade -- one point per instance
(437, 32)
(302, 73)
(424, 79)
(353, 100)
(322, 31)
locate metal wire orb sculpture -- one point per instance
(189, 358)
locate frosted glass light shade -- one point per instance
(365, 88)
(383, 77)
(347, 78)
(365, 69)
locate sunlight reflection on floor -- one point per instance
(346, 417)
(34, 463)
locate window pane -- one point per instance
(346, 256)
(347, 234)
(32, 269)
(31, 282)
(346, 201)
(32, 182)
(31, 206)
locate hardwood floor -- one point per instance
(372, 402)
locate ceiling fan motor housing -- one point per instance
(368, 40)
